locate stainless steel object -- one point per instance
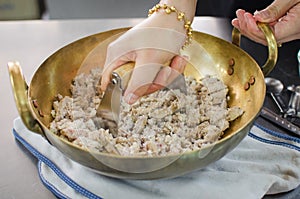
(298, 57)
(291, 88)
(294, 103)
(277, 119)
(293, 109)
(109, 107)
(274, 88)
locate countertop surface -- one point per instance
(31, 42)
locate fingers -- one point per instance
(167, 74)
(235, 22)
(252, 30)
(282, 16)
(160, 81)
(247, 25)
(178, 63)
(288, 27)
(149, 78)
(274, 11)
(141, 79)
(149, 73)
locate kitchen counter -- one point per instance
(31, 42)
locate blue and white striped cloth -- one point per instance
(265, 162)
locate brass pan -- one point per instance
(245, 80)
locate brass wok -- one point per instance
(235, 67)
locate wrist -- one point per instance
(186, 6)
(178, 15)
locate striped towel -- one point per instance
(265, 162)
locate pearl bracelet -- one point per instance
(180, 16)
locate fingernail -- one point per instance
(131, 98)
(261, 14)
(235, 22)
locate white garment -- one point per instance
(265, 162)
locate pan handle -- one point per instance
(272, 46)
(20, 90)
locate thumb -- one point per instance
(273, 12)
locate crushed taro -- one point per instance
(162, 123)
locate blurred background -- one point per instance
(84, 9)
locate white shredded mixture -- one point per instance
(162, 123)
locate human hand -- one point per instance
(281, 15)
(151, 44)
(150, 55)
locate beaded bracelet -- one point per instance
(180, 16)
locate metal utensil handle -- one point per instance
(272, 46)
(279, 102)
(116, 79)
(298, 58)
(276, 119)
